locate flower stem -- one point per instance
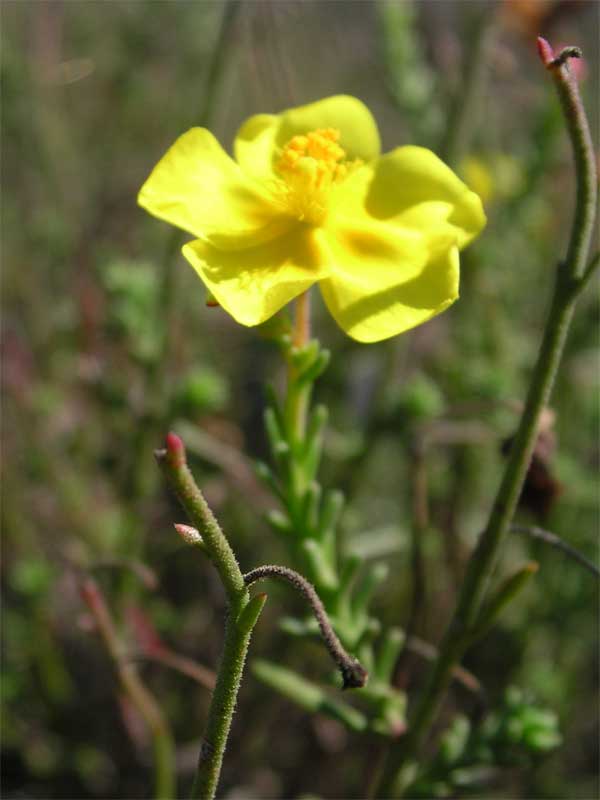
(302, 320)
(243, 613)
(482, 561)
(298, 394)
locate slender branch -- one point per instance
(469, 91)
(186, 666)
(484, 557)
(584, 157)
(420, 523)
(242, 616)
(146, 575)
(164, 751)
(429, 652)
(555, 541)
(587, 275)
(353, 673)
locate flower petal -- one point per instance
(199, 188)
(258, 140)
(386, 281)
(254, 284)
(411, 188)
(254, 144)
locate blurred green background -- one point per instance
(107, 344)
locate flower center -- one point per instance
(310, 165)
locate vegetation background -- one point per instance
(107, 343)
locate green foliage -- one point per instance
(517, 733)
(92, 94)
(309, 524)
(133, 305)
(200, 391)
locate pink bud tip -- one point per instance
(545, 51)
(175, 450)
(188, 534)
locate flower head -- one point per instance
(309, 199)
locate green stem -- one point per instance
(222, 706)
(482, 561)
(463, 112)
(242, 616)
(298, 394)
(298, 397)
(555, 541)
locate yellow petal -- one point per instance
(386, 281)
(260, 137)
(254, 284)
(199, 188)
(411, 188)
(254, 144)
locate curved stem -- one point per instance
(353, 673)
(482, 561)
(555, 541)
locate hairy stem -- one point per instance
(483, 559)
(243, 613)
(353, 673)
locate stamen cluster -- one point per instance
(309, 165)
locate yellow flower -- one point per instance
(309, 199)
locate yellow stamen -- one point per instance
(310, 165)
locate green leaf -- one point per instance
(307, 694)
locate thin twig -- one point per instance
(353, 673)
(589, 273)
(430, 653)
(482, 562)
(186, 666)
(552, 539)
(141, 698)
(470, 88)
(420, 523)
(146, 575)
